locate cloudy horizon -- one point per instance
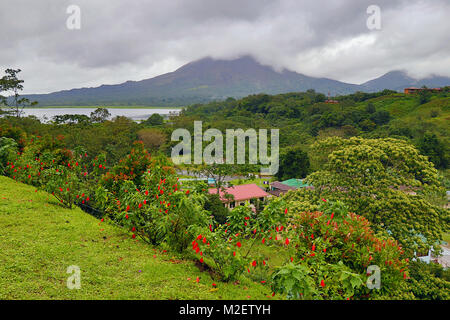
(120, 41)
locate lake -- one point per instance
(45, 114)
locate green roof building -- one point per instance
(296, 183)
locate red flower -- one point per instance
(324, 200)
(254, 263)
(287, 241)
(322, 284)
(313, 247)
(132, 229)
(285, 211)
(133, 236)
(238, 244)
(201, 260)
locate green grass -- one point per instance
(39, 240)
(256, 181)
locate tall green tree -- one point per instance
(432, 147)
(100, 115)
(294, 163)
(154, 120)
(11, 85)
(387, 181)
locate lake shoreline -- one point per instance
(136, 114)
(106, 107)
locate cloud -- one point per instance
(133, 40)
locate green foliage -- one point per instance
(8, 150)
(429, 281)
(71, 119)
(11, 85)
(154, 208)
(432, 147)
(424, 96)
(294, 281)
(238, 220)
(132, 167)
(294, 163)
(331, 254)
(214, 205)
(113, 266)
(100, 115)
(386, 180)
(223, 255)
(154, 120)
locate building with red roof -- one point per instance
(412, 90)
(240, 195)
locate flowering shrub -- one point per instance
(68, 175)
(8, 149)
(156, 210)
(334, 251)
(221, 252)
(229, 248)
(132, 167)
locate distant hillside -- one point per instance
(208, 79)
(398, 80)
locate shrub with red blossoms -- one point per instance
(331, 255)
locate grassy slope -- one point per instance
(39, 240)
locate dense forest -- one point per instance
(302, 118)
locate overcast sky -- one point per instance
(137, 39)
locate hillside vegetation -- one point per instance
(39, 240)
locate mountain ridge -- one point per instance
(210, 79)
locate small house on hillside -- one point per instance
(277, 188)
(296, 183)
(412, 90)
(242, 194)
